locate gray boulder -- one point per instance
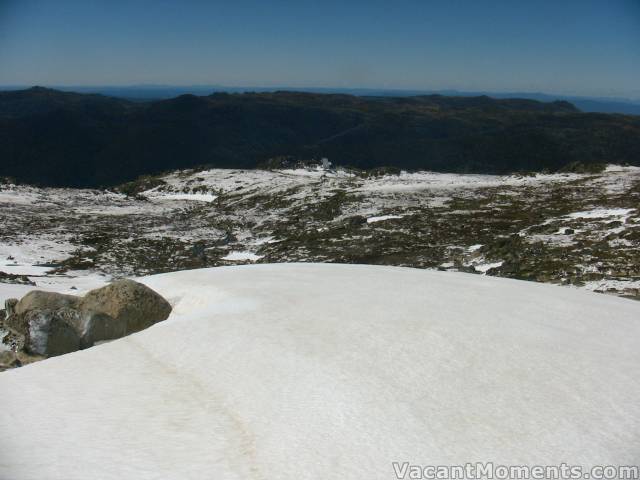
(131, 302)
(48, 324)
(48, 333)
(18, 317)
(39, 300)
(94, 327)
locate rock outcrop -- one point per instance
(131, 302)
(49, 324)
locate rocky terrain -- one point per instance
(573, 229)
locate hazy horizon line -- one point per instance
(249, 88)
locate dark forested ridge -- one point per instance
(58, 138)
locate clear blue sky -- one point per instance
(584, 47)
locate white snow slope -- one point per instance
(309, 371)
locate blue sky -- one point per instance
(582, 47)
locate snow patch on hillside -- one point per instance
(382, 218)
(241, 256)
(602, 213)
(197, 197)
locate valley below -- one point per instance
(579, 230)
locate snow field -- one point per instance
(315, 371)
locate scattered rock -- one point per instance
(226, 240)
(466, 268)
(198, 251)
(15, 279)
(355, 221)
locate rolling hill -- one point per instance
(54, 138)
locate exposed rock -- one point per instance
(49, 334)
(94, 327)
(228, 238)
(467, 269)
(39, 300)
(133, 303)
(11, 339)
(12, 359)
(45, 324)
(356, 220)
(10, 307)
(9, 359)
(25, 358)
(23, 311)
(17, 279)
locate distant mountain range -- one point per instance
(50, 137)
(163, 92)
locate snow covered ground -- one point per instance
(316, 371)
(581, 230)
(382, 218)
(197, 197)
(241, 257)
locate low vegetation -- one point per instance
(55, 138)
(580, 229)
